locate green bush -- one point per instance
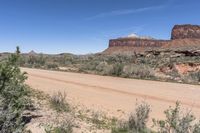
(14, 96)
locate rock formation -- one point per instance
(181, 36)
(186, 31)
(32, 53)
(137, 42)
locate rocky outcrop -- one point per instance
(185, 31)
(182, 36)
(136, 42)
(32, 53)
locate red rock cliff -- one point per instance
(185, 31)
(181, 36)
(136, 42)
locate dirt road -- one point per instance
(115, 95)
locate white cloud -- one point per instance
(125, 12)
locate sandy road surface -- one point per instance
(115, 95)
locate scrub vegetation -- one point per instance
(173, 66)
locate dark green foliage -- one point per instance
(17, 50)
(13, 95)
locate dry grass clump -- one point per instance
(137, 122)
(58, 102)
(64, 127)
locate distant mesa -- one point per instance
(181, 35)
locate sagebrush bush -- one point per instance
(176, 122)
(58, 102)
(192, 77)
(14, 96)
(51, 66)
(138, 71)
(117, 69)
(137, 122)
(138, 119)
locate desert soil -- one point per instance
(113, 95)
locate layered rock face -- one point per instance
(181, 36)
(135, 42)
(185, 31)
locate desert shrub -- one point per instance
(104, 68)
(138, 71)
(51, 66)
(121, 127)
(65, 126)
(139, 65)
(58, 102)
(38, 60)
(192, 77)
(196, 128)
(117, 69)
(100, 67)
(176, 122)
(31, 59)
(14, 96)
(41, 60)
(137, 122)
(107, 70)
(99, 120)
(89, 65)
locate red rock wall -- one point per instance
(186, 31)
(137, 42)
(184, 34)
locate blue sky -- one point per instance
(85, 26)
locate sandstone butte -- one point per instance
(184, 36)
